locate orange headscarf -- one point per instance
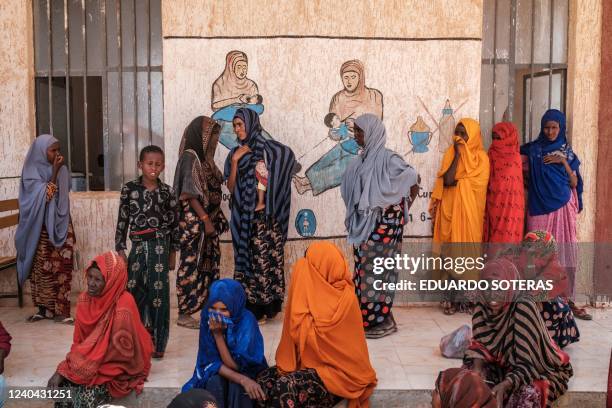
(323, 327)
(110, 344)
(505, 212)
(460, 209)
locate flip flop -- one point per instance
(449, 309)
(377, 334)
(64, 320)
(579, 312)
(36, 318)
(190, 324)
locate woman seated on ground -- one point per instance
(322, 356)
(194, 398)
(511, 347)
(458, 387)
(111, 351)
(231, 350)
(540, 259)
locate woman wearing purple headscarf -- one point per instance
(552, 171)
(45, 238)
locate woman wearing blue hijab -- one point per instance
(45, 239)
(231, 349)
(555, 190)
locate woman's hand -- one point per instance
(500, 392)
(253, 389)
(209, 227)
(243, 98)
(456, 143)
(241, 151)
(554, 159)
(216, 325)
(55, 381)
(58, 163)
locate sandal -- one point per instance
(36, 317)
(449, 309)
(386, 328)
(377, 334)
(188, 322)
(64, 320)
(579, 312)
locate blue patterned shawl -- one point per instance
(549, 187)
(279, 160)
(243, 338)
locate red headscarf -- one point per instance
(110, 344)
(459, 387)
(504, 216)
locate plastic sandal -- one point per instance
(36, 317)
(579, 312)
(64, 320)
(190, 323)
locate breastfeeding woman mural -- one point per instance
(345, 106)
(232, 91)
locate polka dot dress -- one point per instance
(384, 241)
(560, 322)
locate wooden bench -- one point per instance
(10, 262)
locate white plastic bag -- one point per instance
(453, 345)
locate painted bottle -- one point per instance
(446, 128)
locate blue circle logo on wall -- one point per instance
(306, 223)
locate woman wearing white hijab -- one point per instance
(378, 188)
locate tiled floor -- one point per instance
(409, 359)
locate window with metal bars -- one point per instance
(98, 67)
(524, 63)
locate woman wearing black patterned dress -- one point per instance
(258, 174)
(197, 182)
(378, 188)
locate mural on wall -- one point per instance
(446, 128)
(306, 223)
(234, 90)
(345, 106)
(420, 134)
(312, 102)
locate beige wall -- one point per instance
(17, 90)
(584, 68)
(336, 18)
(297, 92)
(16, 105)
(584, 63)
